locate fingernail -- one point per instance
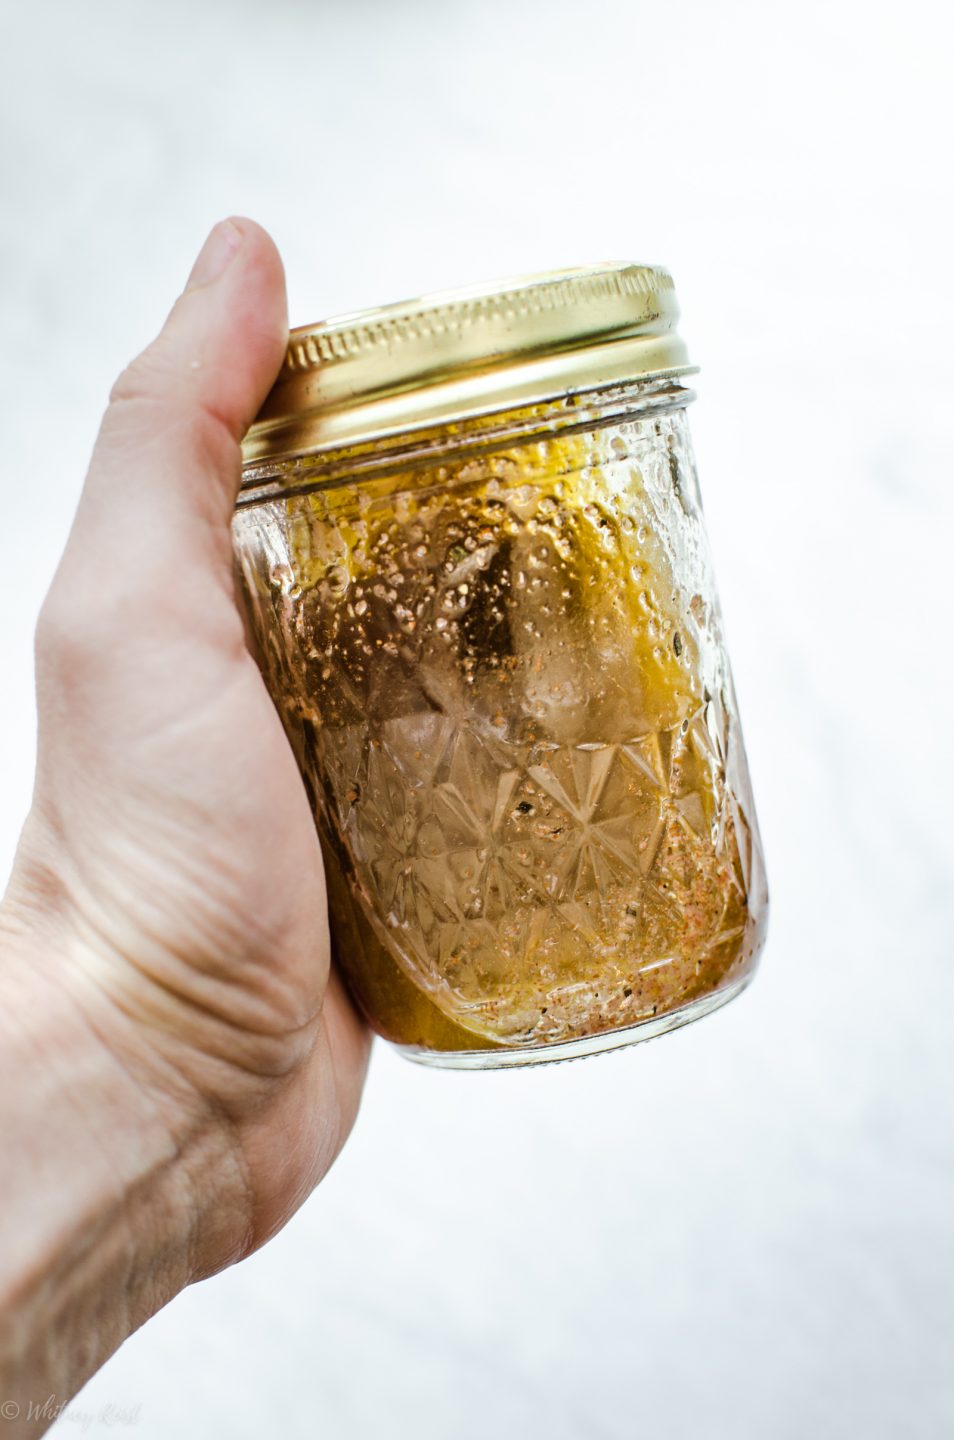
(224, 239)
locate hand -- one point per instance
(169, 881)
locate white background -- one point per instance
(744, 1230)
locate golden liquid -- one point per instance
(506, 687)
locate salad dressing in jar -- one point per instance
(474, 563)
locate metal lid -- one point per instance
(463, 353)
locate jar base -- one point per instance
(511, 1058)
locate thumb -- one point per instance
(146, 579)
(221, 347)
(213, 363)
(166, 467)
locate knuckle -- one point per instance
(57, 627)
(154, 394)
(65, 640)
(144, 381)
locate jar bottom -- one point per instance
(510, 1058)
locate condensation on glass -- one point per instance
(474, 562)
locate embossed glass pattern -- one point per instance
(497, 651)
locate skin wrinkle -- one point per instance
(180, 1091)
(187, 958)
(236, 956)
(250, 946)
(284, 1034)
(232, 969)
(237, 1030)
(209, 1109)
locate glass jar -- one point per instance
(472, 550)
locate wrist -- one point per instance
(104, 1217)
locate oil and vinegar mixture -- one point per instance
(503, 676)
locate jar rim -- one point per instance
(457, 354)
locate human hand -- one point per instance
(169, 882)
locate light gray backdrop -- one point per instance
(743, 1230)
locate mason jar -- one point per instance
(472, 551)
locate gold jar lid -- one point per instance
(462, 353)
